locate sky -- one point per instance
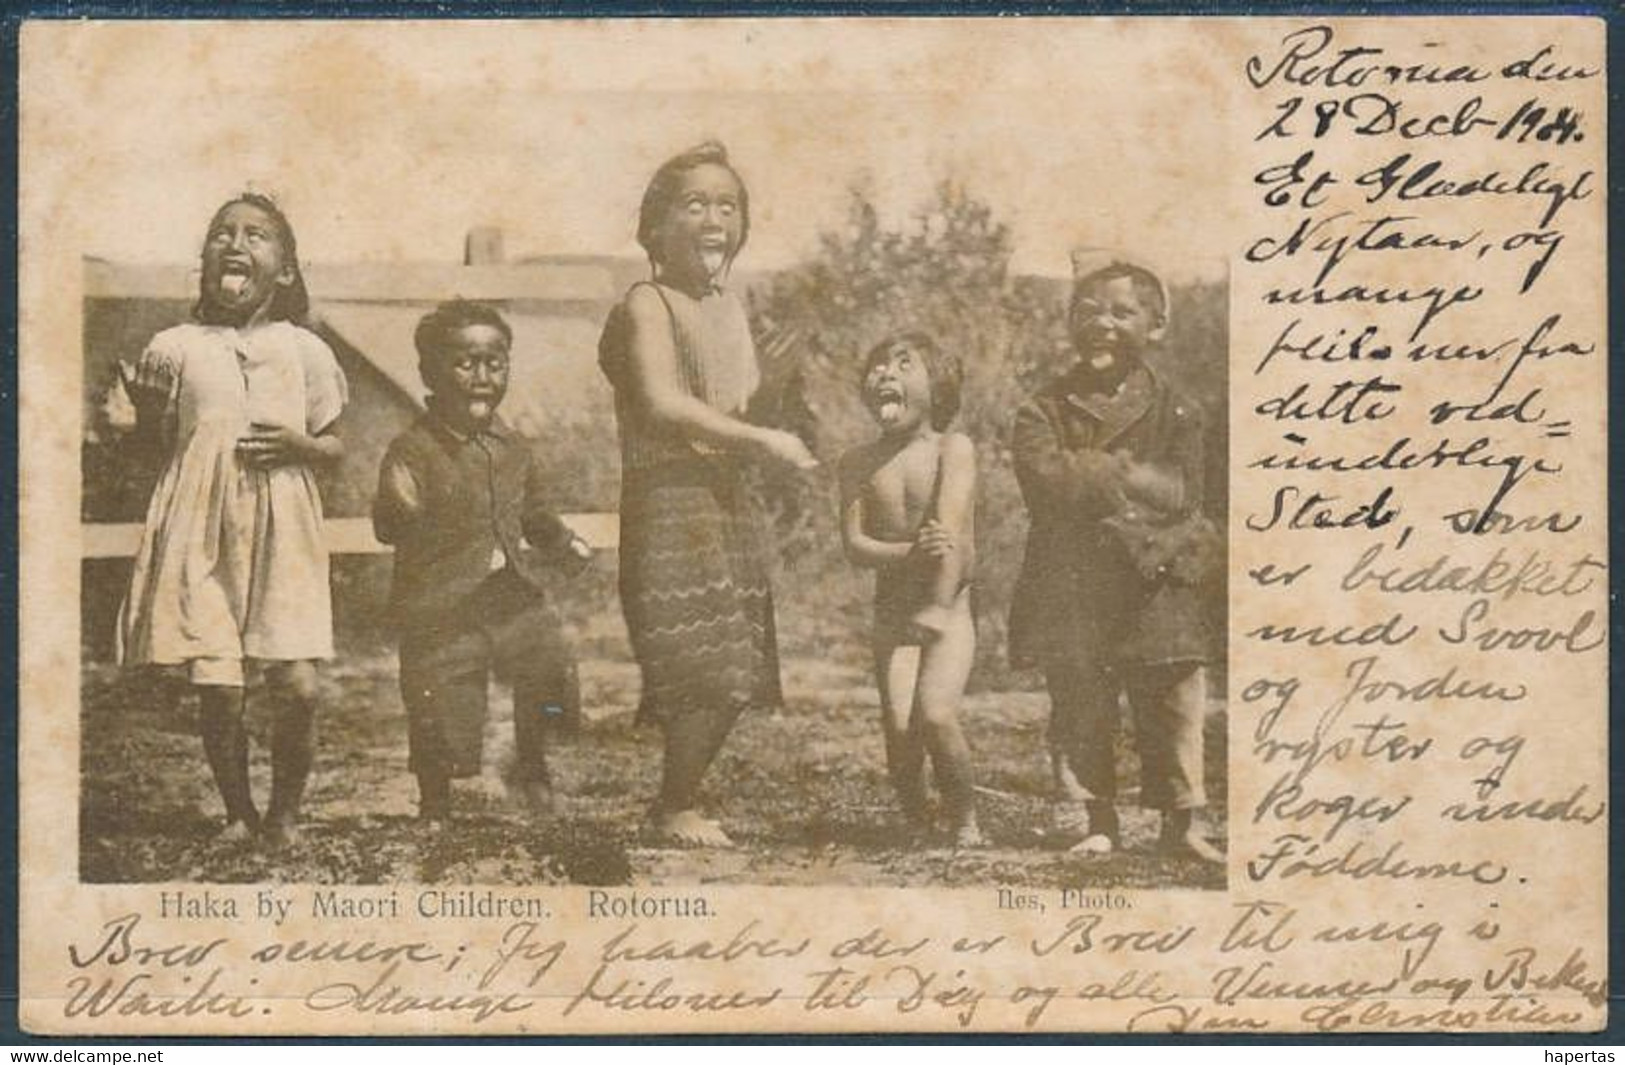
(389, 141)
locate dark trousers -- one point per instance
(510, 632)
(1168, 703)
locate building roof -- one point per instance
(555, 357)
(556, 310)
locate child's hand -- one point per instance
(268, 446)
(788, 450)
(117, 407)
(1150, 486)
(934, 540)
(403, 487)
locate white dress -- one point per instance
(232, 564)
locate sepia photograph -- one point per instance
(882, 549)
(835, 525)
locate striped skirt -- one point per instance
(695, 590)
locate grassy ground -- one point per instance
(804, 792)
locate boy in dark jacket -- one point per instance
(459, 497)
(1110, 464)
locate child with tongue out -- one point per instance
(694, 556)
(907, 505)
(476, 549)
(232, 567)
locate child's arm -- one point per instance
(861, 548)
(545, 530)
(398, 507)
(654, 382)
(1190, 438)
(267, 446)
(1174, 485)
(152, 429)
(316, 443)
(1153, 486)
(547, 533)
(946, 537)
(151, 385)
(1087, 483)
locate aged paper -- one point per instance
(1364, 260)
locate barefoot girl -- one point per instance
(694, 582)
(232, 566)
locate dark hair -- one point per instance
(946, 373)
(291, 302)
(435, 328)
(657, 198)
(1147, 286)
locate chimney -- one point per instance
(483, 246)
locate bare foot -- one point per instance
(1069, 822)
(538, 796)
(1096, 845)
(1191, 846)
(968, 836)
(279, 833)
(235, 832)
(686, 828)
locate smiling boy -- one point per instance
(459, 496)
(1110, 464)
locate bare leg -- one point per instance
(225, 744)
(434, 798)
(293, 746)
(945, 666)
(530, 652)
(692, 742)
(531, 704)
(1181, 838)
(897, 667)
(945, 583)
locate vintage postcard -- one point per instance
(729, 525)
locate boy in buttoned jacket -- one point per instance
(476, 547)
(1109, 459)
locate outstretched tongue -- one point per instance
(890, 410)
(233, 283)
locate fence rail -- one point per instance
(345, 536)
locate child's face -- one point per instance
(469, 375)
(703, 224)
(244, 262)
(1112, 324)
(897, 390)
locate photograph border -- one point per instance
(9, 309)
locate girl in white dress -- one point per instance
(232, 565)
